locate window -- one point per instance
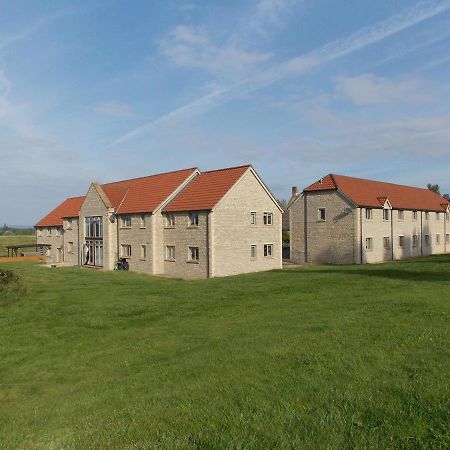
(401, 215)
(39, 232)
(385, 214)
(369, 244)
(415, 240)
(438, 216)
(322, 214)
(401, 241)
(387, 242)
(70, 247)
(194, 254)
(252, 218)
(143, 252)
(126, 251)
(427, 215)
(427, 239)
(69, 224)
(170, 252)
(447, 216)
(253, 251)
(193, 218)
(49, 231)
(58, 231)
(447, 238)
(268, 250)
(414, 215)
(125, 221)
(369, 213)
(438, 239)
(142, 220)
(93, 227)
(170, 220)
(268, 218)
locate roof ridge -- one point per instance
(150, 176)
(226, 168)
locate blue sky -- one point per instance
(102, 90)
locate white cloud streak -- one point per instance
(298, 65)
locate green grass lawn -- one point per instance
(320, 357)
(11, 240)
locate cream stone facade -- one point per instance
(329, 227)
(234, 235)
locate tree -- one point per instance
(434, 188)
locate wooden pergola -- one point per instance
(14, 249)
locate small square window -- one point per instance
(193, 219)
(268, 218)
(126, 251)
(268, 250)
(401, 241)
(322, 214)
(169, 220)
(369, 213)
(194, 254)
(253, 251)
(369, 244)
(143, 252)
(385, 214)
(170, 252)
(252, 218)
(401, 215)
(125, 221)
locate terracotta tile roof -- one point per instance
(68, 208)
(371, 193)
(206, 190)
(144, 194)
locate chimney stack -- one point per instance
(294, 190)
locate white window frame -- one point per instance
(125, 250)
(369, 214)
(125, 221)
(193, 254)
(268, 250)
(170, 252)
(268, 218)
(253, 218)
(369, 244)
(253, 251)
(169, 220)
(319, 214)
(193, 219)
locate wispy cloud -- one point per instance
(114, 109)
(298, 65)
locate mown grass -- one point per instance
(311, 358)
(12, 240)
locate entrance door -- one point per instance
(93, 253)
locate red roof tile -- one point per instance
(370, 193)
(206, 190)
(68, 208)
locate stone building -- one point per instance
(345, 220)
(187, 224)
